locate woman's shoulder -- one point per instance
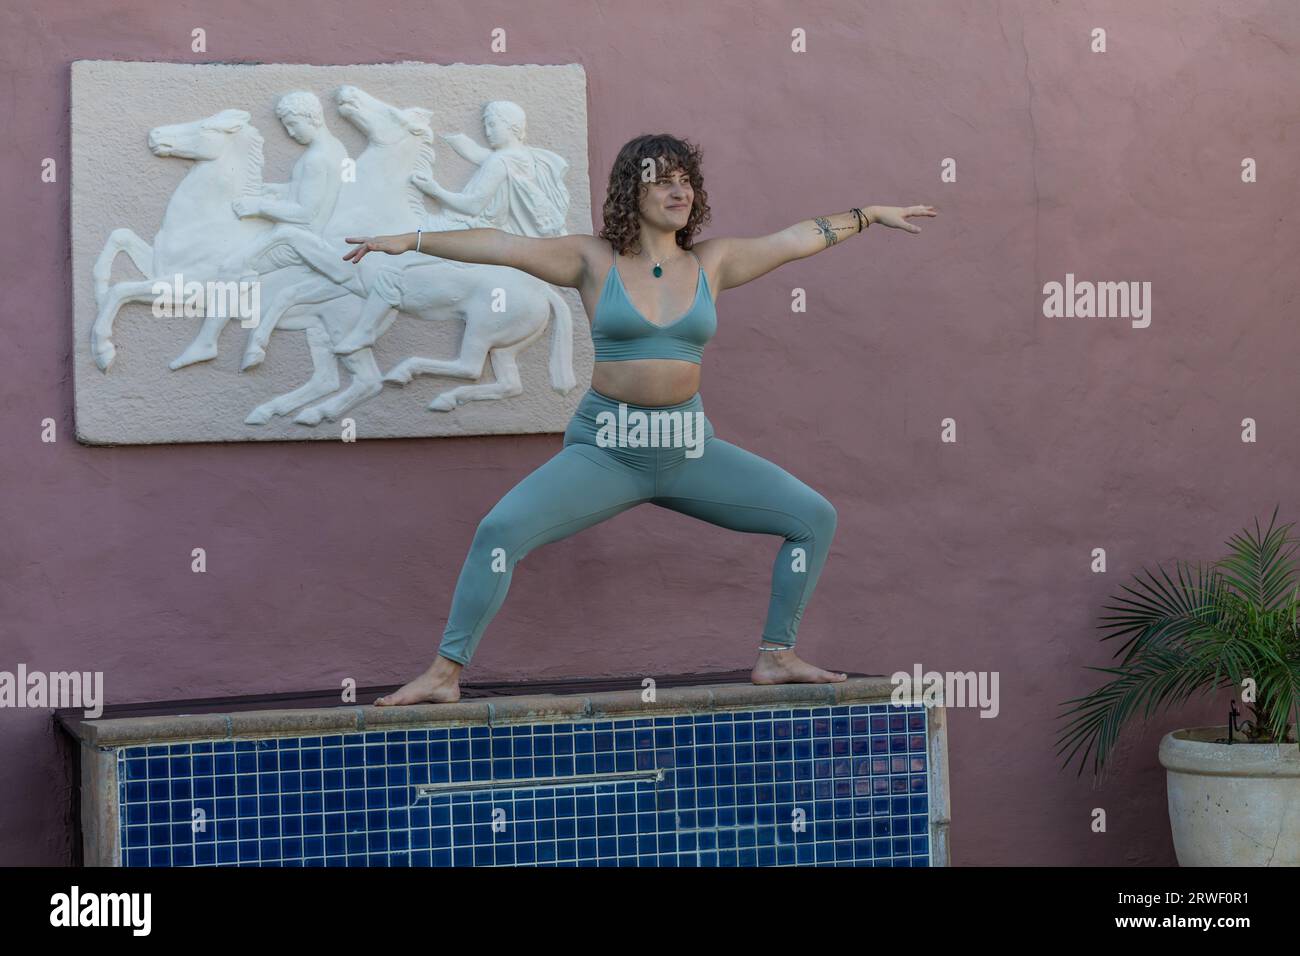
(709, 252)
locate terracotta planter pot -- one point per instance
(1232, 804)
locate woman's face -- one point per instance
(667, 201)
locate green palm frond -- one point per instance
(1166, 611)
(1211, 628)
(1259, 568)
(1163, 676)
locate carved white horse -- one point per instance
(384, 200)
(422, 292)
(199, 228)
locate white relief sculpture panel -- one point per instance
(211, 299)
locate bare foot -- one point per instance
(440, 684)
(784, 667)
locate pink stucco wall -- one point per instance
(1073, 434)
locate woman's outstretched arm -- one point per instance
(557, 259)
(744, 260)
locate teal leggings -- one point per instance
(617, 456)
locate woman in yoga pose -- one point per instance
(647, 369)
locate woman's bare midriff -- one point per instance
(647, 381)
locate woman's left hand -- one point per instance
(895, 217)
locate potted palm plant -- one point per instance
(1234, 791)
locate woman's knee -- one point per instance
(820, 515)
(498, 529)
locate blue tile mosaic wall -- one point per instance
(825, 786)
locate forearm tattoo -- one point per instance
(829, 232)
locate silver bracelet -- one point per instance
(418, 238)
(779, 647)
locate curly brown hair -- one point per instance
(622, 211)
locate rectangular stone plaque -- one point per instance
(204, 200)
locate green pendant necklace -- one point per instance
(658, 270)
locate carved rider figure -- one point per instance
(307, 201)
(517, 188)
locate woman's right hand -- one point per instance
(393, 245)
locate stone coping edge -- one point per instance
(491, 712)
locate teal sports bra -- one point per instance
(621, 333)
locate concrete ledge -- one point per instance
(538, 708)
(460, 714)
(494, 711)
(100, 830)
